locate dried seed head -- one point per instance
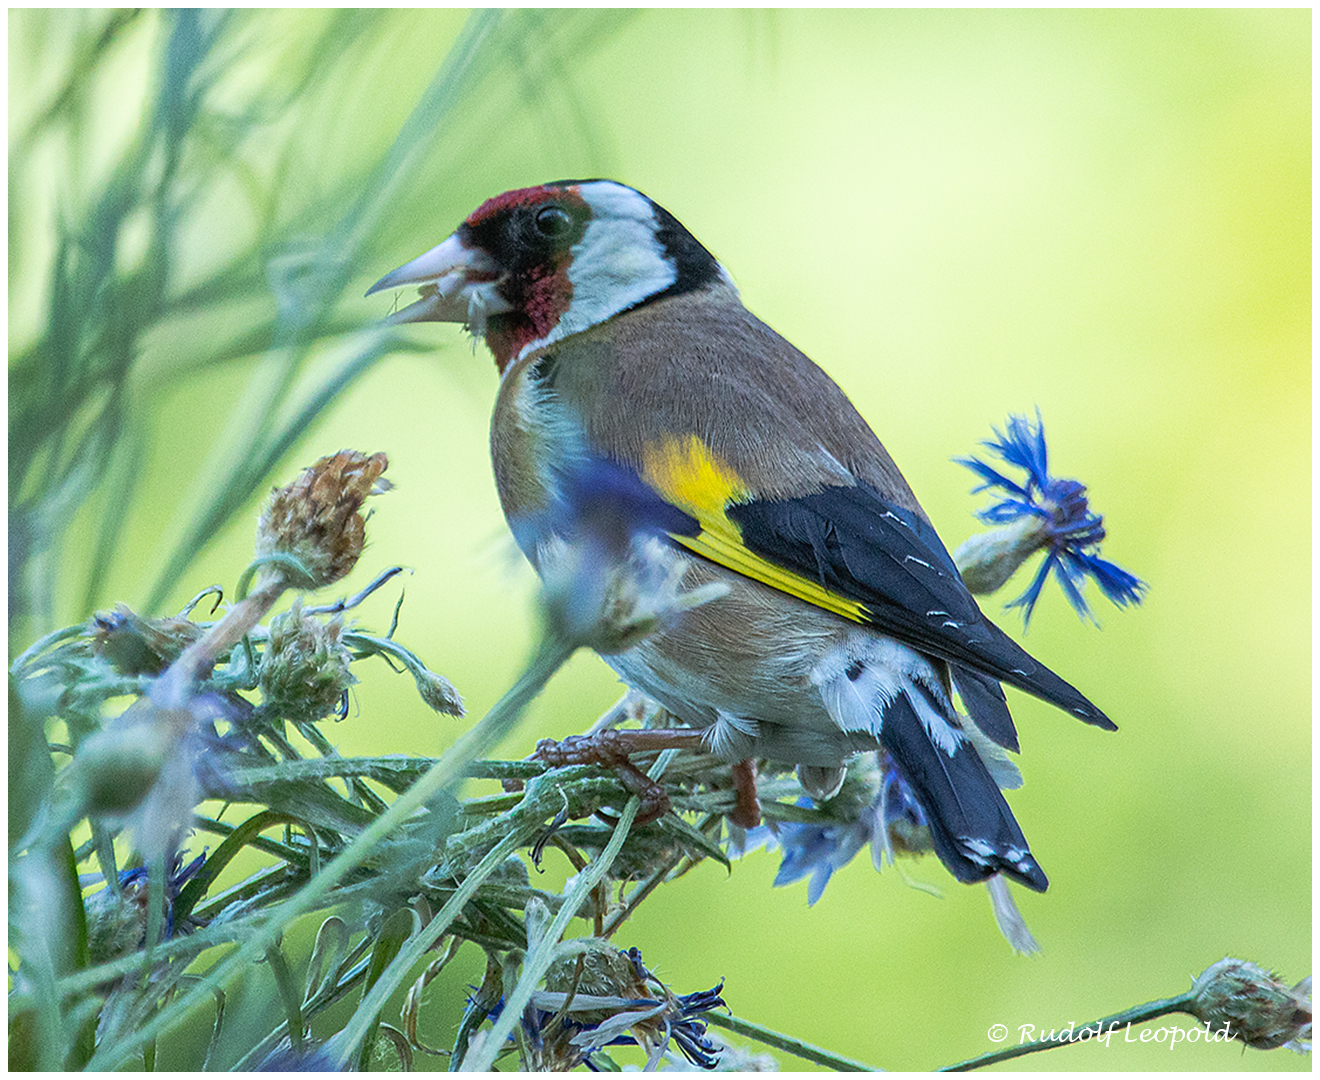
(439, 693)
(317, 519)
(305, 668)
(605, 973)
(616, 997)
(1256, 1006)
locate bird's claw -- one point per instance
(609, 749)
(612, 748)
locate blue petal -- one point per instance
(1001, 513)
(802, 852)
(1027, 601)
(1025, 447)
(1115, 582)
(1072, 579)
(991, 477)
(820, 877)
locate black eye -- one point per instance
(553, 222)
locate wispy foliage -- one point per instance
(221, 228)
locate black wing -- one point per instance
(860, 545)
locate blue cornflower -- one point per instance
(891, 821)
(564, 1032)
(689, 1030)
(1042, 512)
(815, 849)
(905, 827)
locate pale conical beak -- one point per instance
(457, 283)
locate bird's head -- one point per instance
(535, 265)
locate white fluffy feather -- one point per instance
(732, 737)
(887, 669)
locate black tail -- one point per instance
(973, 829)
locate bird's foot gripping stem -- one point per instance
(613, 748)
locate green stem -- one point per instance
(805, 1050)
(393, 976)
(640, 893)
(1093, 1032)
(174, 686)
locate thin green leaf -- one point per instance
(244, 834)
(396, 930)
(279, 968)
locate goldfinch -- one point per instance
(639, 397)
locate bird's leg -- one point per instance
(613, 749)
(747, 806)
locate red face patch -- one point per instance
(534, 264)
(547, 295)
(567, 193)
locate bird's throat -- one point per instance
(507, 336)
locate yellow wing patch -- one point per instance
(690, 477)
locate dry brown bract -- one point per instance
(317, 520)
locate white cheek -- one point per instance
(617, 264)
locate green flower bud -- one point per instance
(305, 668)
(987, 560)
(116, 768)
(116, 925)
(439, 693)
(1256, 1007)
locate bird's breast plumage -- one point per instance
(527, 436)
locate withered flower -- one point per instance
(316, 522)
(134, 645)
(609, 999)
(117, 922)
(1254, 1005)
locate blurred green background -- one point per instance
(958, 214)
